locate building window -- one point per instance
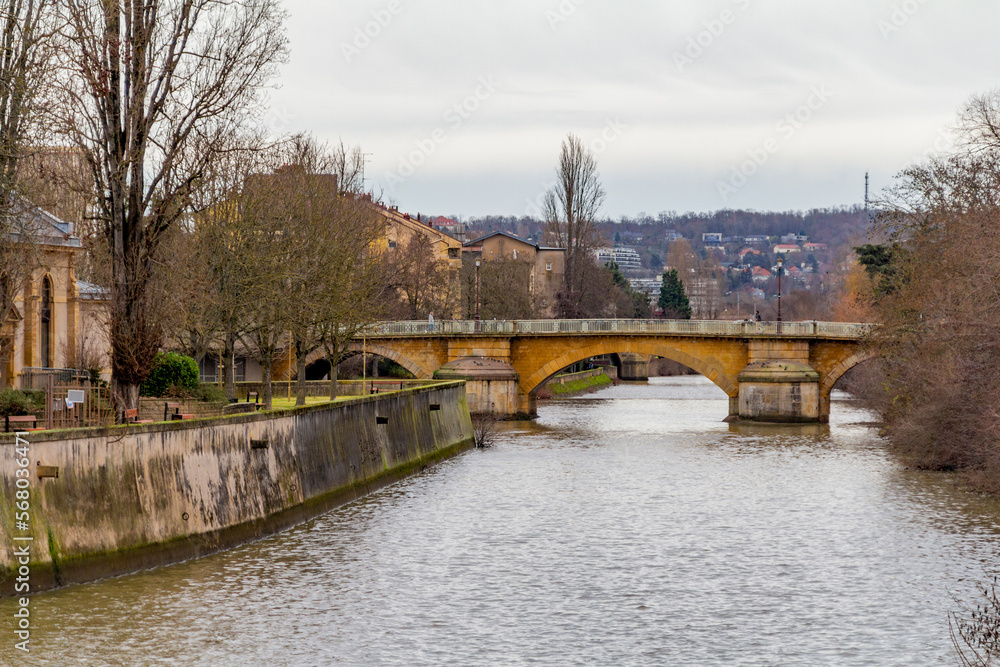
(208, 369)
(545, 303)
(392, 244)
(46, 321)
(548, 266)
(453, 253)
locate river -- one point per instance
(628, 527)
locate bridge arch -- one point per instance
(410, 365)
(835, 373)
(354, 349)
(829, 379)
(710, 367)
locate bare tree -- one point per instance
(348, 164)
(25, 67)
(975, 628)
(570, 212)
(267, 253)
(356, 285)
(217, 269)
(151, 92)
(504, 289)
(330, 288)
(423, 279)
(936, 291)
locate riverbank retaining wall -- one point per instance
(131, 497)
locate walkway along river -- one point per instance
(628, 527)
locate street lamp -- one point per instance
(477, 293)
(780, 262)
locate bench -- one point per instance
(167, 407)
(132, 417)
(255, 394)
(22, 419)
(181, 415)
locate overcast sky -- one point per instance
(689, 105)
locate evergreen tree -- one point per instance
(673, 300)
(640, 302)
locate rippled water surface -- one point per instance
(630, 527)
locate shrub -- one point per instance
(210, 393)
(170, 370)
(15, 402)
(205, 391)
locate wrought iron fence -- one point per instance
(675, 327)
(72, 406)
(35, 378)
(70, 399)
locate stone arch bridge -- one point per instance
(770, 371)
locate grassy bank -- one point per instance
(587, 385)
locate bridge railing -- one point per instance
(677, 327)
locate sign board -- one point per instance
(76, 395)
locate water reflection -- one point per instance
(631, 526)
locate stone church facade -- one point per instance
(56, 323)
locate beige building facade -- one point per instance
(548, 264)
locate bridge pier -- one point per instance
(779, 385)
(633, 367)
(491, 387)
(527, 406)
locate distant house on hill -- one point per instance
(760, 274)
(711, 237)
(785, 248)
(549, 264)
(448, 226)
(625, 258)
(813, 247)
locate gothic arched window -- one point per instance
(46, 322)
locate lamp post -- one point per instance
(780, 262)
(478, 261)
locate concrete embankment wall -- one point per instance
(129, 497)
(286, 388)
